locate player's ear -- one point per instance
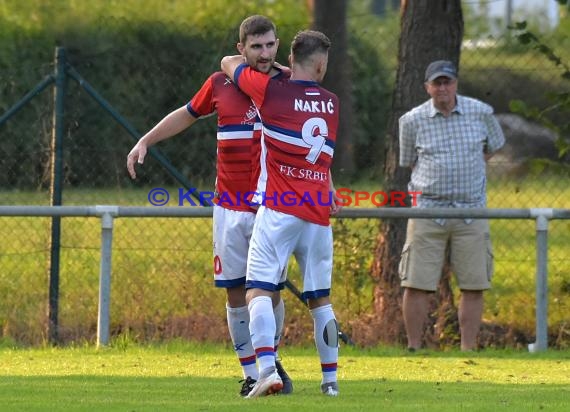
(276, 43)
(240, 48)
(322, 65)
(290, 59)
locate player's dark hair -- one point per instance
(254, 26)
(308, 42)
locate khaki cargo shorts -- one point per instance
(422, 258)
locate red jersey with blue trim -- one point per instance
(238, 138)
(299, 125)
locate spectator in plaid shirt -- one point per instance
(447, 141)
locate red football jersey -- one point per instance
(238, 138)
(299, 127)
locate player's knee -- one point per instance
(314, 303)
(276, 298)
(236, 296)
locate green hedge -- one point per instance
(145, 58)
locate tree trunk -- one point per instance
(430, 30)
(329, 16)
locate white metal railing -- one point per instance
(107, 214)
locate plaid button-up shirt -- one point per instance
(447, 153)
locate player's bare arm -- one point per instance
(230, 64)
(175, 122)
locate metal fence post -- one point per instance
(542, 216)
(55, 192)
(103, 319)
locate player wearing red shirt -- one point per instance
(299, 126)
(299, 136)
(237, 145)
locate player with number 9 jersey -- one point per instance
(299, 125)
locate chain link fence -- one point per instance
(162, 283)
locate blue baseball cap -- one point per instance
(440, 68)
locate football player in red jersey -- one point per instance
(299, 126)
(238, 137)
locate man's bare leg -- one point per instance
(415, 308)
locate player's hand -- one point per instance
(136, 155)
(336, 204)
(280, 66)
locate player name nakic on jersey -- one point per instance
(318, 106)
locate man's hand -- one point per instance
(336, 204)
(279, 66)
(137, 154)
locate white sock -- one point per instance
(238, 325)
(279, 312)
(326, 340)
(262, 330)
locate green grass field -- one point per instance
(189, 377)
